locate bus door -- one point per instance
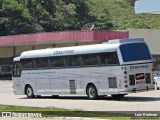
(16, 75)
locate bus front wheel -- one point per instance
(92, 92)
(29, 92)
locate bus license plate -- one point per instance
(139, 82)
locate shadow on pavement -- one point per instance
(107, 98)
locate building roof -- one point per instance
(65, 36)
(147, 6)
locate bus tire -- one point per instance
(55, 96)
(29, 92)
(92, 92)
(118, 96)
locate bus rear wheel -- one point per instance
(92, 92)
(29, 92)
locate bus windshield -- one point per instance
(135, 52)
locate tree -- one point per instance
(82, 15)
(103, 23)
(1, 4)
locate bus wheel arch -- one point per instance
(29, 91)
(91, 91)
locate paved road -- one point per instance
(145, 101)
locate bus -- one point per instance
(117, 67)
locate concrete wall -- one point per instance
(20, 49)
(6, 52)
(152, 37)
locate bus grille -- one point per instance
(72, 86)
(112, 82)
(131, 80)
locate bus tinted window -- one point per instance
(135, 52)
(41, 62)
(16, 69)
(57, 62)
(27, 64)
(109, 58)
(73, 60)
(90, 59)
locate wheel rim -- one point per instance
(92, 92)
(29, 91)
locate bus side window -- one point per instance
(90, 59)
(41, 62)
(27, 64)
(57, 62)
(73, 60)
(109, 58)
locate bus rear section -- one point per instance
(137, 78)
(137, 68)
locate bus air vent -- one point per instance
(72, 86)
(112, 82)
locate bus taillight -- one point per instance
(126, 81)
(125, 72)
(125, 78)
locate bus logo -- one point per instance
(63, 52)
(139, 67)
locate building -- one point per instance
(152, 37)
(12, 46)
(151, 7)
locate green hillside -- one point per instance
(31, 16)
(121, 12)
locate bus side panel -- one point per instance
(18, 86)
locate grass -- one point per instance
(58, 112)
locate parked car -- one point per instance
(5, 71)
(157, 80)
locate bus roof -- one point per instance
(96, 48)
(130, 40)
